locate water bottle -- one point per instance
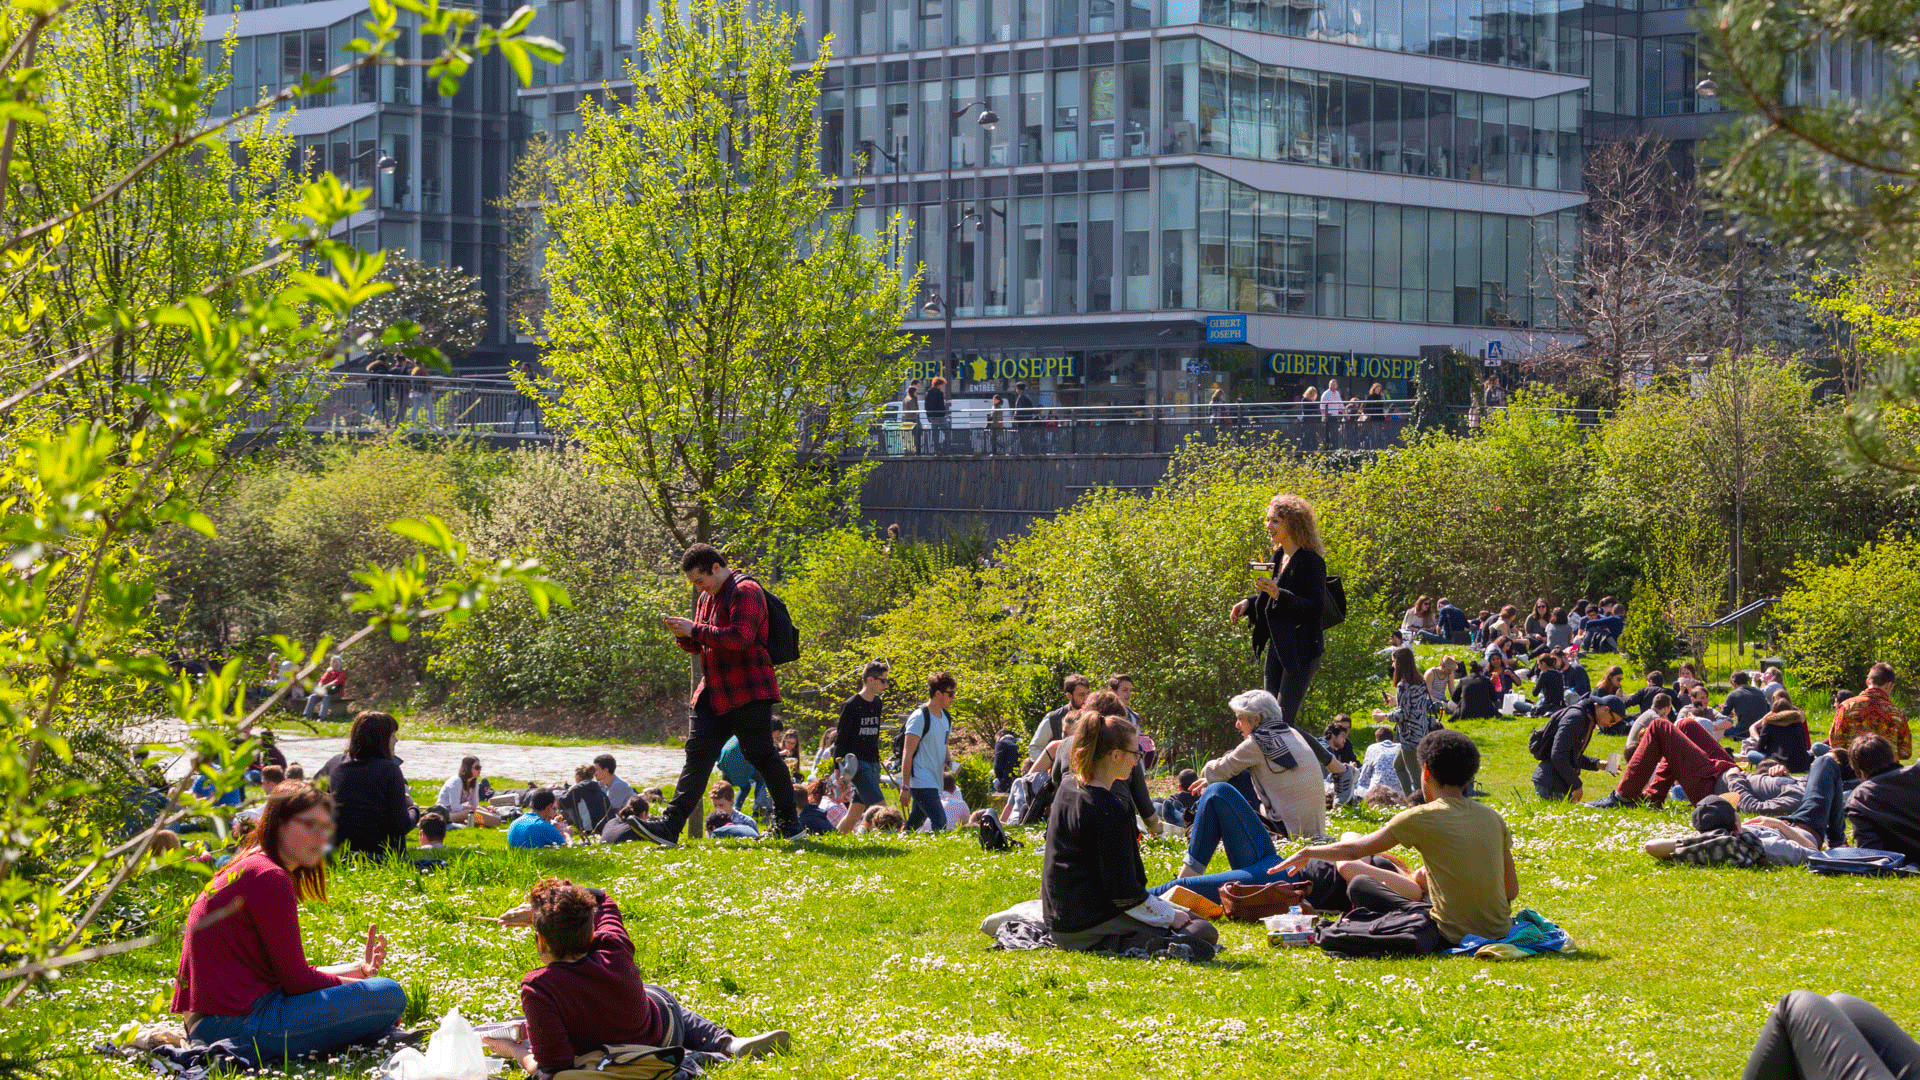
(1296, 922)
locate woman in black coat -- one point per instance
(373, 812)
(1286, 611)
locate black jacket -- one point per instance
(372, 809)
(1885, 812)
(1092, 870)
(1477, 698)
(1289, 624)
(1560, 773)
(1551, 687)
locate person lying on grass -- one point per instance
(588, 994)
(244, 973)
(1717, 827)
(1467, 849)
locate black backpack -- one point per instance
(1540, 743)
(1407, 932)
(1333, 610)
(783, 641)
(993, 837)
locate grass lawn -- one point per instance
(868, 950)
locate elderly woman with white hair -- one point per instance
(1277, 758)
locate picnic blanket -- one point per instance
(1531, 935)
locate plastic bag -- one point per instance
(454, 1053)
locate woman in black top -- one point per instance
(1286, 611)
(1093, 886)
(372, 810)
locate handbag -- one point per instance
(1246, 902)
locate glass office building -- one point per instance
(451, 156)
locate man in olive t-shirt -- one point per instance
(1466, 847)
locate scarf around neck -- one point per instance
(1270, 737)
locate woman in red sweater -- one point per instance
(244, 974)
(590, 995)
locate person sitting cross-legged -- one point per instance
(1466, 847)
(588, 994)
(1668, 753)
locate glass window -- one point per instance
(1066, 17)
(866, 26)
(1386, 128)
(1033, 18)
(1357, 257)
(1099, 16)
(1359, 21)
(1466, 269)
(1386, 24)
(1243, 104)
(1102, 111)
(992, 233)
(932, 23)
(966, 22)
(1359, 130)
(965, 133)
(1519, 141)
(1033, 117)
(1213, 242)
(1066, 116)
(1413, 263)
(1270, 255)
(1213, 99)
(1301, 225)
(1441, 159)
(898, 128)
(1413, 130)
(1100, 252)
(1443, 27)
(1301, 95)
(1138, 87)
(1000, 100)
(1136, 251)
(1179, 101)
(899, 25)
(1000, 20)
(934, 121)
(833, 135)
(1179, 242)
(1267, 113)
(1066, 254)
(1414, 31)
(1242, 208)
(1493, 138)
(1440, 261)
(1328, 272)
(1032, 243)
(1179, 12)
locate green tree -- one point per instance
(1744, 443)
(1490, 518)
(1838, 173)
(150, 310)
(716, 332)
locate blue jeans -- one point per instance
(1224, 818)
(281, 1027)
(926, 807)
(1824, 810)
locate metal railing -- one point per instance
(358, 403)
(971, 430)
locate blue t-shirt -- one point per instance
(735, 766)
(930, 757)
(204, 789)
(530, 830)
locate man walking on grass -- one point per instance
(735, 698)
(924, 758)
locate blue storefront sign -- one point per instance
(1222, 329)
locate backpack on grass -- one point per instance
(993, 837)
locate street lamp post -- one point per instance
(944, 298)
(384, 163)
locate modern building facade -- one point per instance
(450, 157)
(1174, 196)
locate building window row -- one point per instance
(1187, 238)
(1205, 100)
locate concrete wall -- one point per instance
(935, 497)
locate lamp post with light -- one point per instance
(942, 303)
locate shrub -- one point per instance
(1836, 621)
(973, 775)
(1649, 636)
(1143, 584)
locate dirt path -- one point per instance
(641, 766)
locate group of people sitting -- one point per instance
(1587, 626)
(1094, 890)
(244, 974)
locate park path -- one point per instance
(641, 766)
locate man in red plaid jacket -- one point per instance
(735, 698)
